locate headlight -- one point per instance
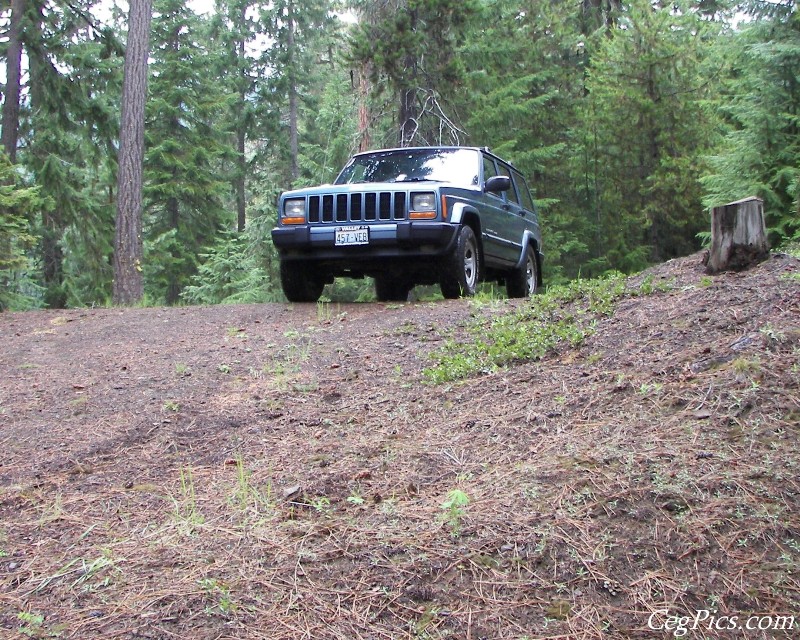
(294, 208)
(423, 202)
(423, 206)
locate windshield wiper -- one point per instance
(417, 180)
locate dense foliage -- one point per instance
(629, 119)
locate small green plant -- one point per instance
(247, 497)
(321, 505)
(565, 315)
(224, 368)
(773, 335)
(172, 406)
(453, 509)
(90, 574)
(646, 288)
(30, 624)
(181, 368)
(745, 366)
(324, 311)
(186, 513)
(220, 594)
(650, 387)
(355, 499)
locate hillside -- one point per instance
(286, 472)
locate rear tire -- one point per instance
(461, 270)
(300, 283)
(524, 281)
(389, 289)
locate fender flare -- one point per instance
(461, 210)
(529, 239)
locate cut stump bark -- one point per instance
(738, 236)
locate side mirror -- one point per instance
(496, 184)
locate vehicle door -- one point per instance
(494, 211)
(528, 207)
(513, 227)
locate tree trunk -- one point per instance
(294, 148)
(241, 171)
(364, 141)
(128, 283)
(738, 236)
(408, 116)
(52, 219)
(173, 285)
(241, 133)
(12, 89)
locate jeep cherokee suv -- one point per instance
(447, 215)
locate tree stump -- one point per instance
(738, 236)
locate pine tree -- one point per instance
(761, 107)
(410, 45)
(644, 132)
(299, 32)
(233, 31)
(184, 183)
(13, 88)
(67, 129)
(525, 87)
(128, 246)
(18, 204)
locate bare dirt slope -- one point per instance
(273, 471)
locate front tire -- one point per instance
(461, 270)
(523, 282)
(300, 283)
(389, 289)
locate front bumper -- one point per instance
(396, 240)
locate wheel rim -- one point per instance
(470, 263)
(530, 275)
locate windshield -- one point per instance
(454, 166)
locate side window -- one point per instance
(489, 171)
(524, 193)
(511, 194)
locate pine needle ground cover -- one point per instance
(274, 471)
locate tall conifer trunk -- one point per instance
(241, 133)
(364, 140)
(128, 283)
(294, 148)
(13, 81)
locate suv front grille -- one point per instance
(358, 207)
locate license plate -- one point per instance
(346, 236)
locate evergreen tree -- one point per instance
(18, 204)
(410, 45)
(13, 87)
(300, 33)
(128, 245)
(525, 87)
(65, 128)
(234, 30)
(184, 184)
(761, 106)
(645, 131)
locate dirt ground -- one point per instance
(285, 471)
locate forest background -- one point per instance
(629, 120)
